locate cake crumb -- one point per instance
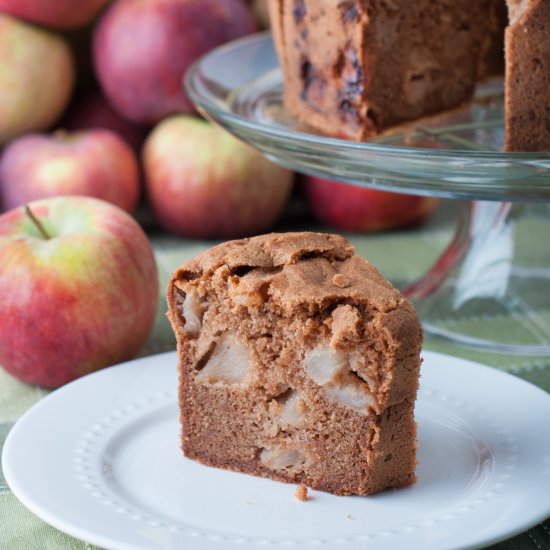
(301, 492)
(340, 281)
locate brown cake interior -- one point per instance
(298, 362)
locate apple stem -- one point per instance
(36, 222)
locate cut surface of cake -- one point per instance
(299, 362)
(528, 76)
(354, 68)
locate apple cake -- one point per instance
(299, 362)
(354, 68)
(364, 66)
(527, 107)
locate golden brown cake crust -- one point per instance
(298, 362)
(528, 76)
(299, 282)
(271, 250)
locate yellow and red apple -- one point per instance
(78, 289)
(361, 209)
(36, 78)
(203, 182)
(96, 163)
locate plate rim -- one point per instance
(83, 533)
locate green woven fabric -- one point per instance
(401, 256)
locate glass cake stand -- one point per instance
(490, 289)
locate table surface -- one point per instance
(401, 256)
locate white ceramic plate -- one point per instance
(100, 460)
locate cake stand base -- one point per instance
(490, 289)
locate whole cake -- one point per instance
(354, 68)
(298, 362)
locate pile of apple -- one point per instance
(93, 116)
(88, 111)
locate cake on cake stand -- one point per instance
(493, 280)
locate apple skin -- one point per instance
(91, 110)
(360, 209)
(82, 300)
(142, 48)
(59, 14)
(203, 182)
(36, 78)
(96, 163)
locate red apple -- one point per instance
(203, 182)
(91, 110)
(78, 289)
(36, 78)
(60, 14)
(97, 163)
(352, 208)
(142, 49)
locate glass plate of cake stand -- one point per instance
(493, 280)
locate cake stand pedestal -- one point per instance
(493, 280)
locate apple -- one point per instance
(78, 289)
(90, 110)
(97, 163)
(36, 78)
(142, 49)
(203, 182)
(352, 208)
(60, 14)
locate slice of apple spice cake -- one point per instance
(298, 362)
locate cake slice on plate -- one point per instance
(298, 362)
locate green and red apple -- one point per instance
(59, 14)
(361, 209)
(96, 163)
(203, 182)
(142, 49)
(36, 78)
(78, 289)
